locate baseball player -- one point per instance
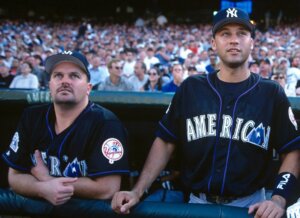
(225, 127)
(70, 148)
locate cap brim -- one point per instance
(219, 25)
(54, 60)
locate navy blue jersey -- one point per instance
(226, 139)
(93, 145)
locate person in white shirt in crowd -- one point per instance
(184, 50)
(26, 80)
(150, 60)
(293, 72)
(9, 57)
(98, 74)
(140, 77)
(128, 67)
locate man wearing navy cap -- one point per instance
(69, 149)
(225, 126)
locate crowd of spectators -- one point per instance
(128, 53)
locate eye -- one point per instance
(75, 76)
(225, 33)
(243, 33)
(57, 75)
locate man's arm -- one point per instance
(57, 190)
(157, 160)
(99, 188)
(84, 187)
(276, 206)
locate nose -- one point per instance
(65, 80)
(234, 39)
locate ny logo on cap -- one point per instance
(231, 12)
(67, 52)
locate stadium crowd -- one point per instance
(136, 49)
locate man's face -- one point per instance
(69, 84)
(264, 67)
(138, 69)
(116, 69)
(177, 73)
(233, 44)
(4, 70)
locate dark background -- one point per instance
(175, 10)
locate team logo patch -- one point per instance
(292, 118)
(259, 136)
(14, 145)
(112, 149)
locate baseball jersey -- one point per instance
(93, 145)
(225, 136)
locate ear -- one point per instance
(252, 44)
(213, 44)
(89, 88)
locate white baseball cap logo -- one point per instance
(231, 12)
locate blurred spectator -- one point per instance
(98, 74)
(128, 66)
(177, 73)
(280, 77)
(115, 81)
(26, 80)
(5, 77)
(293, 72)
(254, 66)
(265, 69)
(161, 20)
(15, 66)
(162, 56)
(139, 78)
(213, 61)
(154, 82)
(150, 60)
(8, 57)
(192, 70)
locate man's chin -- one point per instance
(64, 101)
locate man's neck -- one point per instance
(233, 75)
(114, 79)
(67, 114)
(140, 77)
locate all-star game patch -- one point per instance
(112, 150)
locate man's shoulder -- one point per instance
(36, 112)
(37, 108)
(100, 112)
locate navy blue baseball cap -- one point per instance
(68, 56)
(232, 15)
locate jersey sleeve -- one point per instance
(168, 126)
(110, 154)
(285, 129)
(17, 155)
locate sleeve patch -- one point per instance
(14, 145)
(112, 150)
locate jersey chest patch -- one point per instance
(112, 150)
